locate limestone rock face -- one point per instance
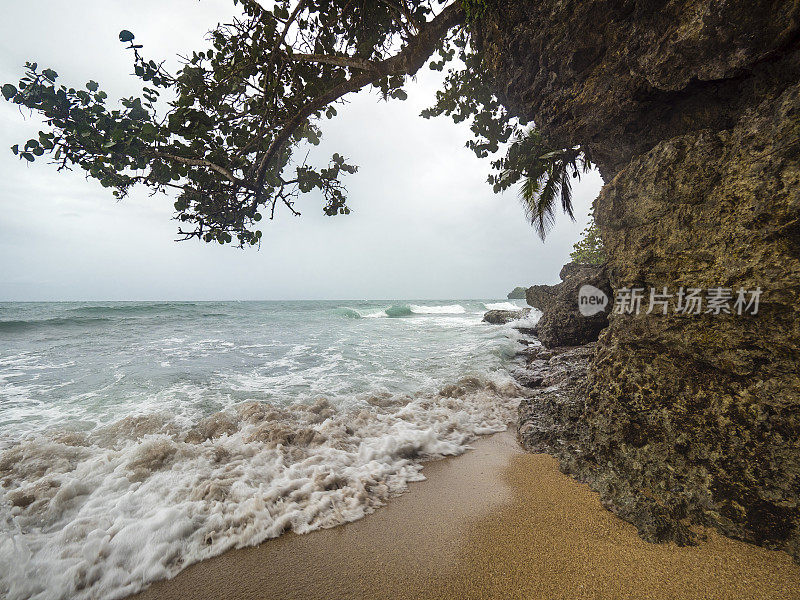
(562, 324)
(618, 76)
(691, 109)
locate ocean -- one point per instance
(137, 438)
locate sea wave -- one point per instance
(102, 514)
(132, 308)
(25, 325)
(97, 314)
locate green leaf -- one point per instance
(92, 86)
(15, 149)
(28, 156)
(9, 91)
(50, 74)
(125, 36)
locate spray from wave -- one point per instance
(100, 515)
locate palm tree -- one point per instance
(546, 175)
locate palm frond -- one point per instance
(545, 172)
(566, 194)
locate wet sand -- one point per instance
(494, 523)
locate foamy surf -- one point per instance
(171, 432)
(102, 514)
(501, 306)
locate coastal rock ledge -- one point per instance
(691, 110)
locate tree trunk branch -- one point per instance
(408, 61)
(339, 61)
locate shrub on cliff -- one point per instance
(589, 250)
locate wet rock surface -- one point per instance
(552, 420)
(501, 317)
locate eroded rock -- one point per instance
(562, 323)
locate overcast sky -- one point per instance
(424, 222)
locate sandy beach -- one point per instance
(494, 523)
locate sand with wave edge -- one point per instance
(493, 523)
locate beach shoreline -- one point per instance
(496, 522)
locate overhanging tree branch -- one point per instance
(240, 104)
(338, 61)
(407, 62)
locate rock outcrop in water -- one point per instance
(501, 317)
(691, 110)
(562, 323)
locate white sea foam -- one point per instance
(436, 310)
(100, 515)
(531, 319)
(501, 306)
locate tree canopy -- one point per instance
(239, 110)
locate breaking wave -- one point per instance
(349, 313)
(102, 514)
(399, 310)
(409, 310)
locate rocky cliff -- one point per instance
(691, 109)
